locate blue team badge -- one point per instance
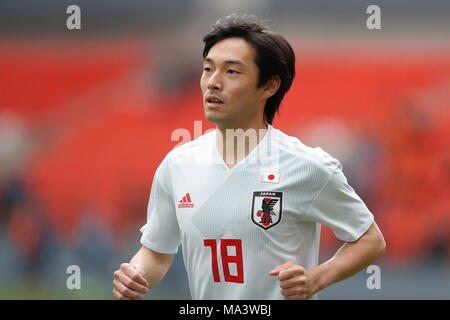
(266, 208)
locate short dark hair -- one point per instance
(274, 55)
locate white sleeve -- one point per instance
(161, 233)
(339, 207)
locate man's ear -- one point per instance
(271, 87)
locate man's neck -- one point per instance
(235, 143)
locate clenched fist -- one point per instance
(296, 283)
(129, 283)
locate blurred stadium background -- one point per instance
(86, 116)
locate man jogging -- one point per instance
(246, 201)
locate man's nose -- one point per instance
(215, 82)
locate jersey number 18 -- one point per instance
(226, 259)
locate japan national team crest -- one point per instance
(266, 208)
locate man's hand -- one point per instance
(129, 283)
(296, 283)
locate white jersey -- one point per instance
(235, 225)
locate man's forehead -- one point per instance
(230, 51)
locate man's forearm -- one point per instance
(155, 265)
(350, 259)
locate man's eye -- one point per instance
(233, 71)
(206, 69)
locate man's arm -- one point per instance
(352, 257)
(145, 270)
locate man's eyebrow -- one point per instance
(238, 62)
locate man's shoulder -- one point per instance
(313, 157)
(194, 148)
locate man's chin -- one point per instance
(215, 118)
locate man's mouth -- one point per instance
(213, 101)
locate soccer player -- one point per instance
(249, 221)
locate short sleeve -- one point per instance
(161, 233)
(339, 207)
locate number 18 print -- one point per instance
(227, 259)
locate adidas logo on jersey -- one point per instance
(186, 202)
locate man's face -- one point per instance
(229, 85)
